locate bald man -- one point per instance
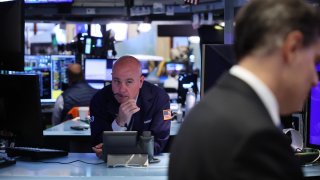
(79, 93)
(130, 104)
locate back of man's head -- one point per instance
(74, 73)
(262, 25)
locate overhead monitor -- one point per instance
(88, 45)
(12, 35)
(216, 60)
(94, 46)
(20, 110)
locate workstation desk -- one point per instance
(87, 165)
(63, 137)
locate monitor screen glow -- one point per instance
(98, 69)
(95, 69)
(313, 116)
(178, 67)
(59, 78)
(40, 66)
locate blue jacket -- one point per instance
(152, 101)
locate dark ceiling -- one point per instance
(125, 10)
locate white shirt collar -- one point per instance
(264, 93)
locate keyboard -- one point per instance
(35, 153)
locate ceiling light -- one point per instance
(120, 30)
(144, 27)
(222, 24)
(218, 27)
(194, 39)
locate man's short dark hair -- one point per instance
(262, 25)
(74, 76)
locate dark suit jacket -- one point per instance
(230, 135)
(152, 101)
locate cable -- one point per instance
(138, 166)
(72, 162)
(317, 158)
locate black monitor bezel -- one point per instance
(210, 70)
(120, 142)
(12, 35)
(22, 107)
(307, 125)
(108, 61)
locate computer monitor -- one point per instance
(312, 115)
(20, 110)
(98, 69)
(12, 35)
(175, 67)
(120, 142)
(217, 59)
(41, 66)
(144, 67)
(59, 78)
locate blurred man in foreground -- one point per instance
(234, 132)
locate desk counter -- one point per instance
(58, 169)
(63, 137)
(312, 171)
(87, 165)
(64, 129)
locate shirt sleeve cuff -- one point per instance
(116, 127)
